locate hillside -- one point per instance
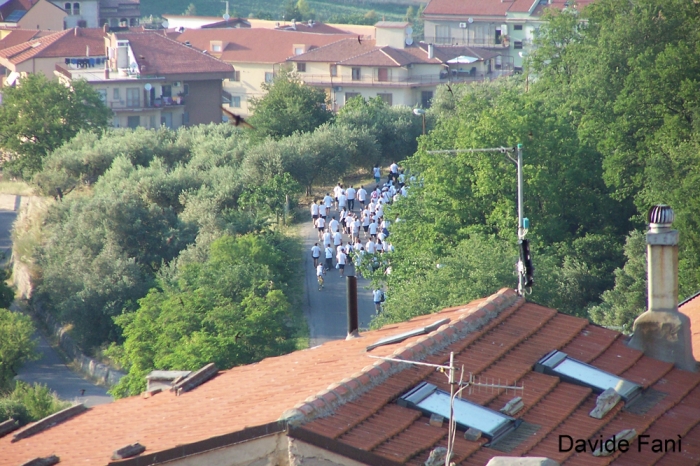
(325, 10)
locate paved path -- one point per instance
(325, 310)
(50, 369)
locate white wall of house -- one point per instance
(252, 76)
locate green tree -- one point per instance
(38, 116)
(17, 344)
(231, 310)
(191, 10)
(288, 106)
(628, 299)
(305, 11)
(273, 196)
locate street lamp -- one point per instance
(421, 112)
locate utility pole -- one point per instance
(523, 223)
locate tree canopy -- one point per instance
(38, 116)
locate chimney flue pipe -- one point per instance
(353, 320)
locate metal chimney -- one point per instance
(431, 51)
(353, 320)
(662, 332)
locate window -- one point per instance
(115, 93)
(269, 76)
(429, 399)
(133, 121)
(298, 50)
(382, 74)
(426, 98)
(67, 7)
(442, 34)
(334, 70)
(166, 90)
(386, 98)
(301, 67)
(186, 118)
(350, 95)
(103, 95)
(237, 76)
(356, 75)
(76, 8)
(133, 97)
(152, 121)
(216, 47)
(574, 371)
(517, 44)
(518, 27)
(236, 101)
(185, 89)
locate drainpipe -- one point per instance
(353, 320)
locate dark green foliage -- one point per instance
(16, 344)
(39, 115)
(230, 310)
(288, 106)
(29, 403)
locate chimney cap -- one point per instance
(661, 215)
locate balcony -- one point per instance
(411, 81)
(485, 42)
(164, 102)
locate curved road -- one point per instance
(326, 310)
(50, 369)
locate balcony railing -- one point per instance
(120, 105)
(487, 42)
(423, 80)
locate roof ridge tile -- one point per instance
(326, 401)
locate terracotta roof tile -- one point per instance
(338, 392)
(257, 45)
(691, 308)
(27, 50)
(18, 36)
(158, 54)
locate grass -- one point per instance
(18, 188)
(323, 9)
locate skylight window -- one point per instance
(428, 399)
(569, 369)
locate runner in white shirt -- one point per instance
(372, 207)
(377, 172)
(373, 229)
(342, 200)
(322, 211)
(320, 225)
(379, 247)
(329, 258)
(328, 201)
(327, 239)
(362, 196)
(365, 220)
(341, 257)
(379, 212)
(319, 270)
(394, 170)
(314, 210)
(370, 247)
(355, 230)
(315, 253)
(351, 193)
(336, 193)
(333, 225)
(337, 238)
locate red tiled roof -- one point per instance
(18, 36)
(351, 52)
(466, 8)
(691, 308)
(28, 50)
(316, 28)
(256, 45)
(68, 43)
(158, 54)
(337, 393)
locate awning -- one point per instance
(463, 60)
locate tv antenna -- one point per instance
(454, 391)
(525, 269)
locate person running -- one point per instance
(351, 193)
(322, 211)
(378, 297)
(315, 253)
(329, 258)
(373, 229)
(362, 196)
(337, 239)
(314, 211)
(370, 247)
(320, 225)
(319, 275)
(333, 225)
(355, 230)
(394, 171)
(377, 172)
(341, 257)
(365, 220)
(328, 201)
(327, 239)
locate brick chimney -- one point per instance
(662, 332)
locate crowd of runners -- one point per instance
(351, 224)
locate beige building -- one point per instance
(256, 54)
(391, 67)
(31, 14)
(509, 26)
(150, 80)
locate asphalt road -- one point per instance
(50, 368)
(326, 310)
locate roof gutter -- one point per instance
(213, 443)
